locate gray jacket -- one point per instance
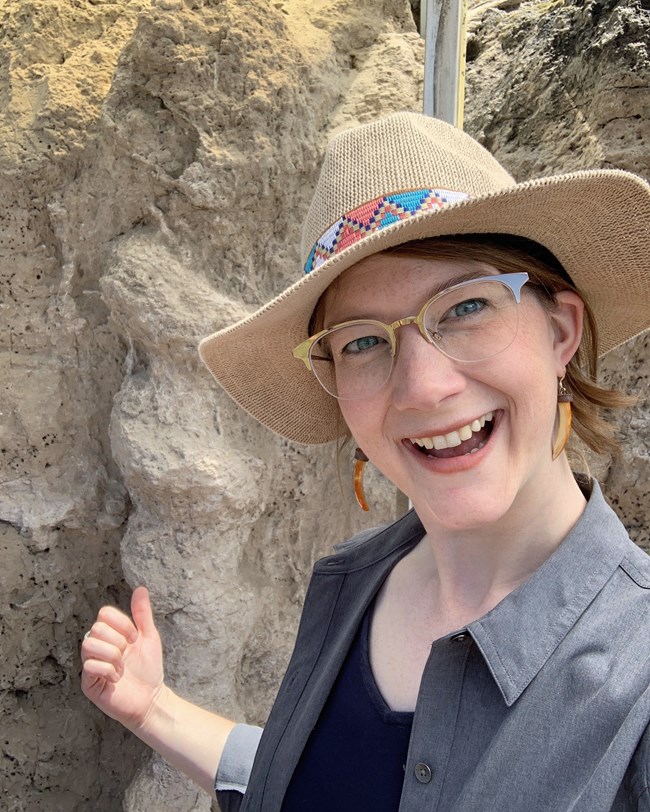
(561, 666)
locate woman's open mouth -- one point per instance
(467, 439)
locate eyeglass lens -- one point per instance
(471, 323)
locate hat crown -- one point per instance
(400, 152)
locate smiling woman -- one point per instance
(490, 649)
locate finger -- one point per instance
(98, 650)
(95, 670)
(119, 621)
(141, 611)
(102, 631)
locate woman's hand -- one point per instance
(123, 662)
(123, 675)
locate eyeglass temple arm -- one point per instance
(301, 353)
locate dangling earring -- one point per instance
(360, 461)
(564, 400)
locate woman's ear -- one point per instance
(566, 320)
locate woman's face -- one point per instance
(514, 394)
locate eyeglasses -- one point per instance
(471, 321)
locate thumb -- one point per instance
(141, 611)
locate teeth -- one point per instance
(454, 438)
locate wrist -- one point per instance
(158, 722)
(188, 737)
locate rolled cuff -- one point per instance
(237, 760)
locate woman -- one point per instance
(489, 650)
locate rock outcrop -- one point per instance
(155, 163)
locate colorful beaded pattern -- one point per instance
(373, 216)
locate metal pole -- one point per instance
(443, 23)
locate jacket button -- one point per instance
(423, 773)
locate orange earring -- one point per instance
(360, 461)
(564, 400)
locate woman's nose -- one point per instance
(422, 377)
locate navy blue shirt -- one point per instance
(356, 734)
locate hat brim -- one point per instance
(597, 224)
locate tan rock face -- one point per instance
(577, 72)
(155, 162)
(156, 159)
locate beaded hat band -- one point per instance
(406, 177)
(379, 213)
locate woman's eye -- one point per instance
(469, 307)
(362, 344)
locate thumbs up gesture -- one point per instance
(123, 662)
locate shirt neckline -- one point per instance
(386, 713)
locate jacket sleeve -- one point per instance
(235, 766)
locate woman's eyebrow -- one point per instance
(441, 286)
(479, 273)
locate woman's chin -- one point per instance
(463, 510)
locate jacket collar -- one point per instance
(373, 546)
(518, 636)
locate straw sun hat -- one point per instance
(406, 177)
